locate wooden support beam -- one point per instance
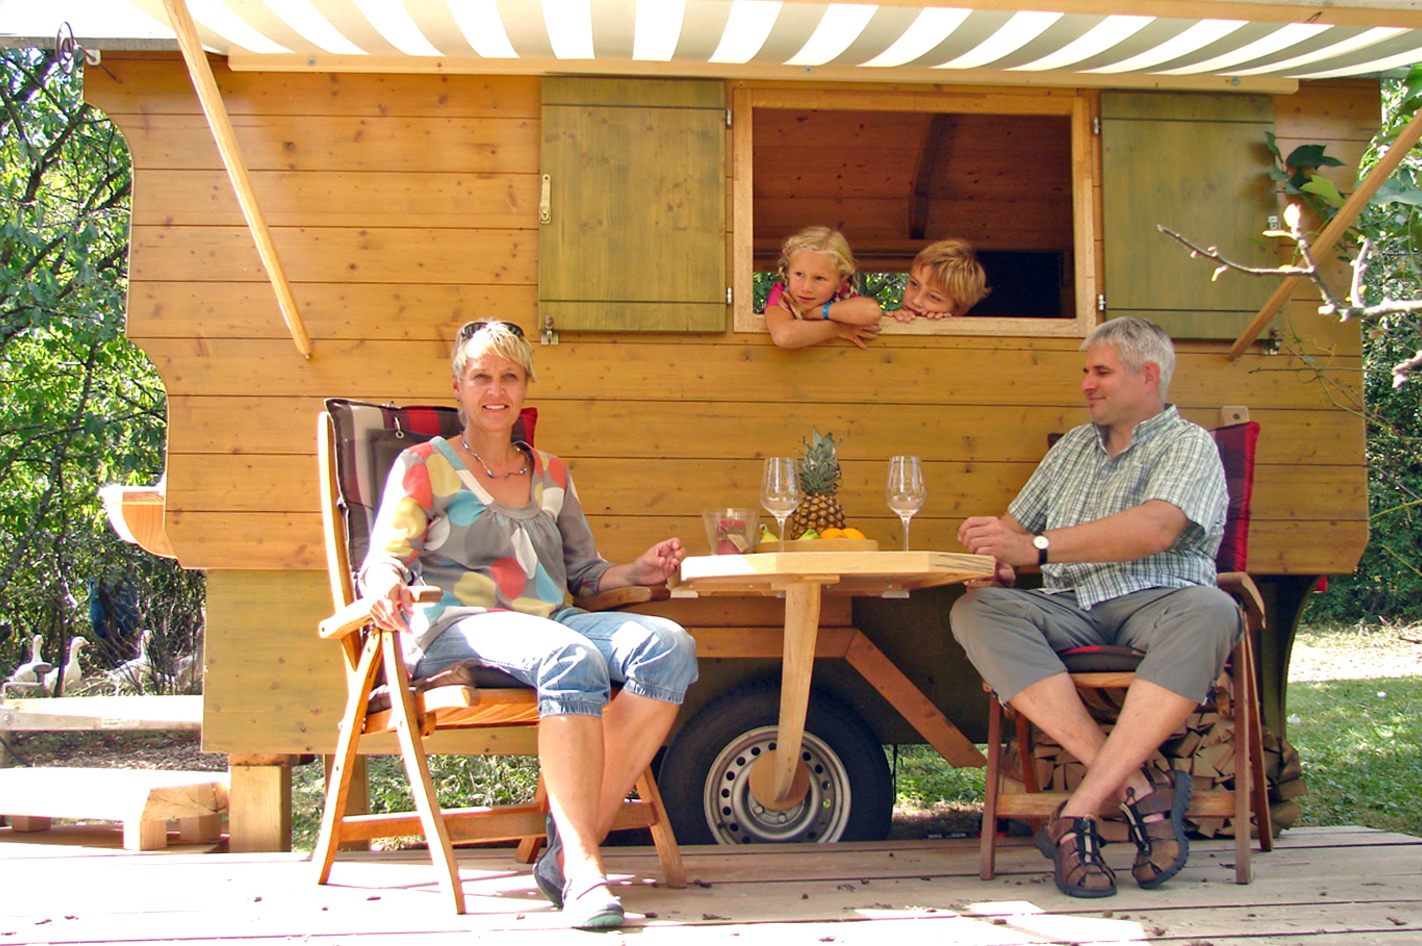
(217, 119)
(1335, 229)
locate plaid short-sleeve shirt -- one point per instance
(1078, 481)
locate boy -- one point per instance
(945, 280)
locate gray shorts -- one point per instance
(1012, 635)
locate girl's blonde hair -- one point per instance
(819, 240)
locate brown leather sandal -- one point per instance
(1161, 845)
(1073, 845)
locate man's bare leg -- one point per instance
(1113, 763)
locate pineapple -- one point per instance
(819, 482)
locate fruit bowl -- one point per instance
(823, 545)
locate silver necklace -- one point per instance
(523, 448)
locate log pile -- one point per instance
(1204, 747)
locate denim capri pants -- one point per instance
(574, 658)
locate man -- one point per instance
(1124, 515)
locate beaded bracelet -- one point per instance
(824, 312)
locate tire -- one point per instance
(704, 776)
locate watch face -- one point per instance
(1039, 541)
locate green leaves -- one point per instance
(80, 406)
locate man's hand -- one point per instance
(1003, 539)
(1004, 576)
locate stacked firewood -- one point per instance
(1204, 747)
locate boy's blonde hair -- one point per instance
(955, 271)
(819, 240)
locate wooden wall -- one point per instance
(1003, 182)
(404, 205)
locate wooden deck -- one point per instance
(1321, 886)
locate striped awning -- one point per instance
(1096, 42)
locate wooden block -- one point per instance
(200, 828)
(260, 818)
(28, 823)
(143, 799)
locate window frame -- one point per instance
(1080, 106)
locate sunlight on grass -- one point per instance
(1361, 746)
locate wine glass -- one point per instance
(905, 492)
(780, 491)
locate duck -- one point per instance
(29, 677)
(135, 673)
(54, 682)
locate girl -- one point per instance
(813, 302)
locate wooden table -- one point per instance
(803, 578)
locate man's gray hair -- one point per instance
(1137, 341)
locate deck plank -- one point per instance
(1320, 887)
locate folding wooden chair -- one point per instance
(1101, 676)
(357, 444)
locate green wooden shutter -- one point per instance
(636, 234)
(1198, 164)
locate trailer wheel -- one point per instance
(705, 774)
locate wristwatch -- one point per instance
(1041, 543)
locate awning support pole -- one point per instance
(1340, 222)
(217, 119)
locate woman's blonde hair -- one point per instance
(819, 240)
(476, 339)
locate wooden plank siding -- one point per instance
(404, 205)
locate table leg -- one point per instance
(802, 625)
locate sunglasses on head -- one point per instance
(469, 328)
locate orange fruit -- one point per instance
(849, 532)
(832, 533)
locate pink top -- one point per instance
(778, 290)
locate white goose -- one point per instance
(134, 674)
(72, 673)
(29, 677)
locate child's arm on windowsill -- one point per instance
(790, 332)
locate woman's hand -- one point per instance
(653, 567)
(393, 599)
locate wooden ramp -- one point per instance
(1320, 887)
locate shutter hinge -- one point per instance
(1096, 125)
(545, 210)
(1101, 302)
(728, 118)
(729, 296)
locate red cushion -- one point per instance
(1237, 443)
(368, 439)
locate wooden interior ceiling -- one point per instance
(893, 182)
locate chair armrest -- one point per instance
(622, 598)
(356, 615)
(1246, 592)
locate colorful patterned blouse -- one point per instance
(439, 526)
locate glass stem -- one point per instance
(780, 521)
(906, 527)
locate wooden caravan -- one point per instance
(378, 184)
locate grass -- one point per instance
(1360, 737)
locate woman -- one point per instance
(498, 527)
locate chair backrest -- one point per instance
(1236, 443)
(360, 443)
